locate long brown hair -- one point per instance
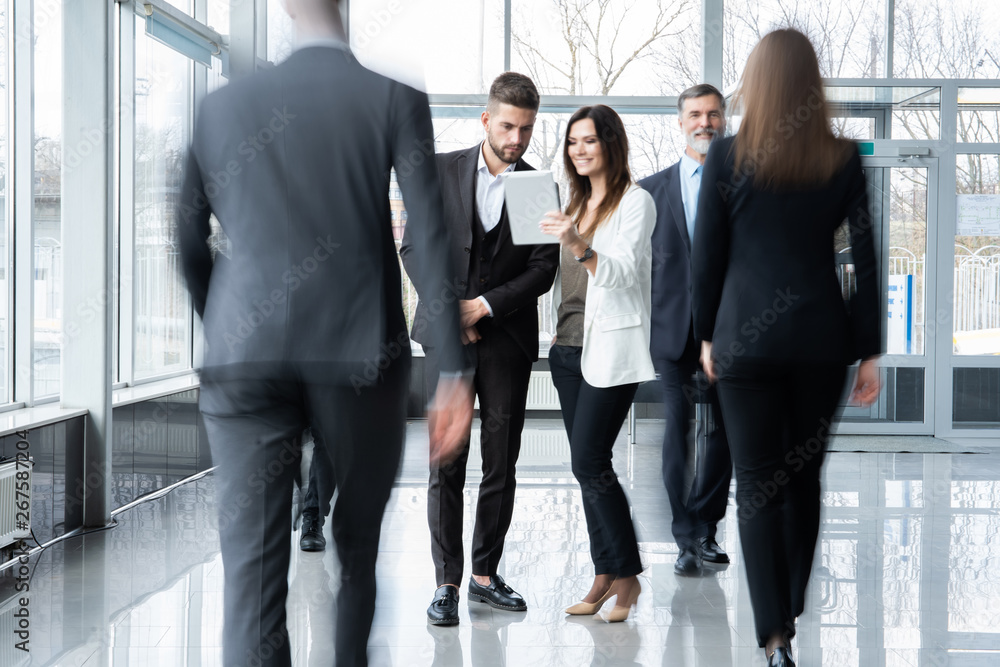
(614, 145)
(785, 137)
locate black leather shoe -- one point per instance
(711, 552)
(497, 595)
(444, 608)
(780, 658)
(312, 534)
(688, 563)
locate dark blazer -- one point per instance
(301, 189)
(765, 283)
(671, 286)
(520, 273)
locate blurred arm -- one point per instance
(424, 249)
(193, 230)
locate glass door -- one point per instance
(902, 196)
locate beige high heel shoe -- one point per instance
(620, 612)
(589, 608)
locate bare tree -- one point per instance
(592, 47)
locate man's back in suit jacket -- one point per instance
(303, 320)
(295, 163)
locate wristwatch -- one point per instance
(587, 254)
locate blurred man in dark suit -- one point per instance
(499, 285)
(696, 513)
(303, 320)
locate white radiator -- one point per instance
(15, 522)
(541, 392)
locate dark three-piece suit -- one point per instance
(511, 278)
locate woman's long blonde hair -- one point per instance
(785, 138)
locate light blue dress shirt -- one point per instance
(690, 185)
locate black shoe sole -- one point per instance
(313, 549)
(484, 600)
(442, 621)
(716, 561)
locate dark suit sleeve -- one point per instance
(425, 241)
(406, 251)
(525, 288)
(864, 303)
(193, 230)
(710, 256)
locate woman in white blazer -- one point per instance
(601, 350)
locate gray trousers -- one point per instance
(254, 427)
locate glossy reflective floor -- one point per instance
(908, 574)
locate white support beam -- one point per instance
(20, 197)
(126, 198)
(712, 13)
(88, 237)
(944, 263)
(890, 35)
(244, 37)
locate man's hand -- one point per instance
(471, 311)
(470, 335)
(449, 419)
(867, 384)
(706, 360)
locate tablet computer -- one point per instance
(529, 195)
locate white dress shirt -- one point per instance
(489, 192)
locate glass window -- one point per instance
(907, 230)
(886, 112)
(183, 5)
(848, 36)
(163, 316)
(5, 284)
(440, 46)
(47, 184)
(218, 15)
(280, 32)
(946, 39)
(580, 47)
(977, 255)
(979, 115)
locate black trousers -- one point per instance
(697, 504)
(593, 417)
(779, 418)
(319, 492)
(254, 429)
(501, 382)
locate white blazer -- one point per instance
(616, 312)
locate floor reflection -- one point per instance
(905, 576)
